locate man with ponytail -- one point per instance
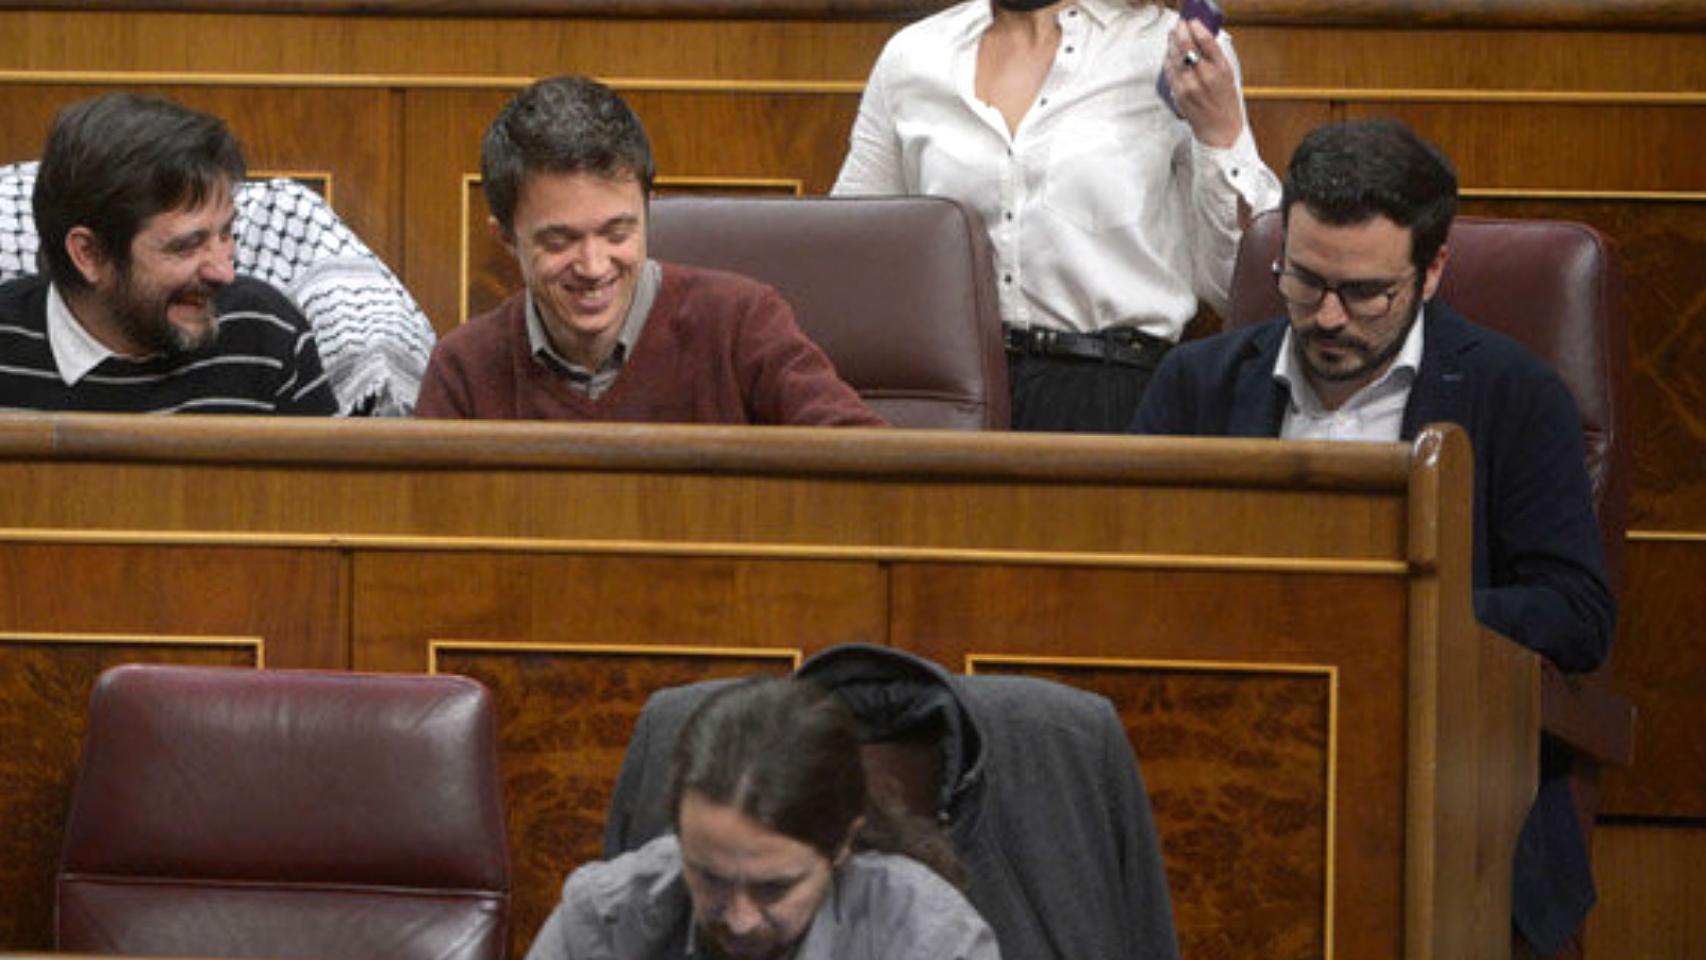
(778, 853)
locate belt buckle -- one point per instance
(1029, 340)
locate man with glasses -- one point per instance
(1366, 353)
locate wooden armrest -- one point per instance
(1584, 713)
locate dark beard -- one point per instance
(145, 322)
(1374, 362)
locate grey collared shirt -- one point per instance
(1376, 412)
(880, 907)
(594, 383)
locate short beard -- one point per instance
(146, 323)
(1375, 362)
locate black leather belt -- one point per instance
(1121, 345)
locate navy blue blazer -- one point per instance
(1539, 566)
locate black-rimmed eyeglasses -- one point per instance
(1362, 299)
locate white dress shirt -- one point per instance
(75, 349)
(1103, 209)
(1376, 412)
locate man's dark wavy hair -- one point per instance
(561, 125)
(113, 162)
(1348, 173)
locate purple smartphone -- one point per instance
(1209, 14)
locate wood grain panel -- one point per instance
(291, 601)
(1651, 890)
(1222, 749)
(434, 180)
(564, 718)
(352, 135)
(44, 696)
(1254, 619)
(623, 512)
(294, 600)
(405, 601)
(1310, 54)
(1625, 14)
(1658, 663)
(1660, 243)
(1280, 125)
(482, 47)
(1539, 146)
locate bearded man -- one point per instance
(137, 307)
(1366, 352)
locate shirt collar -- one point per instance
(1100, 12)
(1104, 12)
(75, 350)
(1290, 375)
(634, 321)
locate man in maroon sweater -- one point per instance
(601, 331)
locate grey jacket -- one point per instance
(1042, 798)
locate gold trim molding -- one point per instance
(1526, 193)
(389, 81)
(1574, 98)
(793, 655)
(793, 185)
(1329, 672)
(257, 645)
(716, 549)
(323, 176)
(1654, 98)
(1665, 536)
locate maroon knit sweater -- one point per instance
(716, 348)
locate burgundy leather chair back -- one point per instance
(1554, 287)
(898, 291)
(286, 814)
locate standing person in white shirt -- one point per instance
(1110, 216)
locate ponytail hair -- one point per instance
(786, 755)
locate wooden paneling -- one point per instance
(1263, 899)
(354, 139)
(603, 488)
(1655, 660)
(393, 106)
(68, 612)
(1625, 14)
(1535, 145)
(524, 553)
(405, 601)
(1662, 604)
(430, 47)
(1243, 762)
(1651, 889)
(295, 602)
(514, 622)
(44, 692)
(564, 716)
(1667, 339)
(1480, 62)
(435, 191)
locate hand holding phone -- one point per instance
(1205, 12)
